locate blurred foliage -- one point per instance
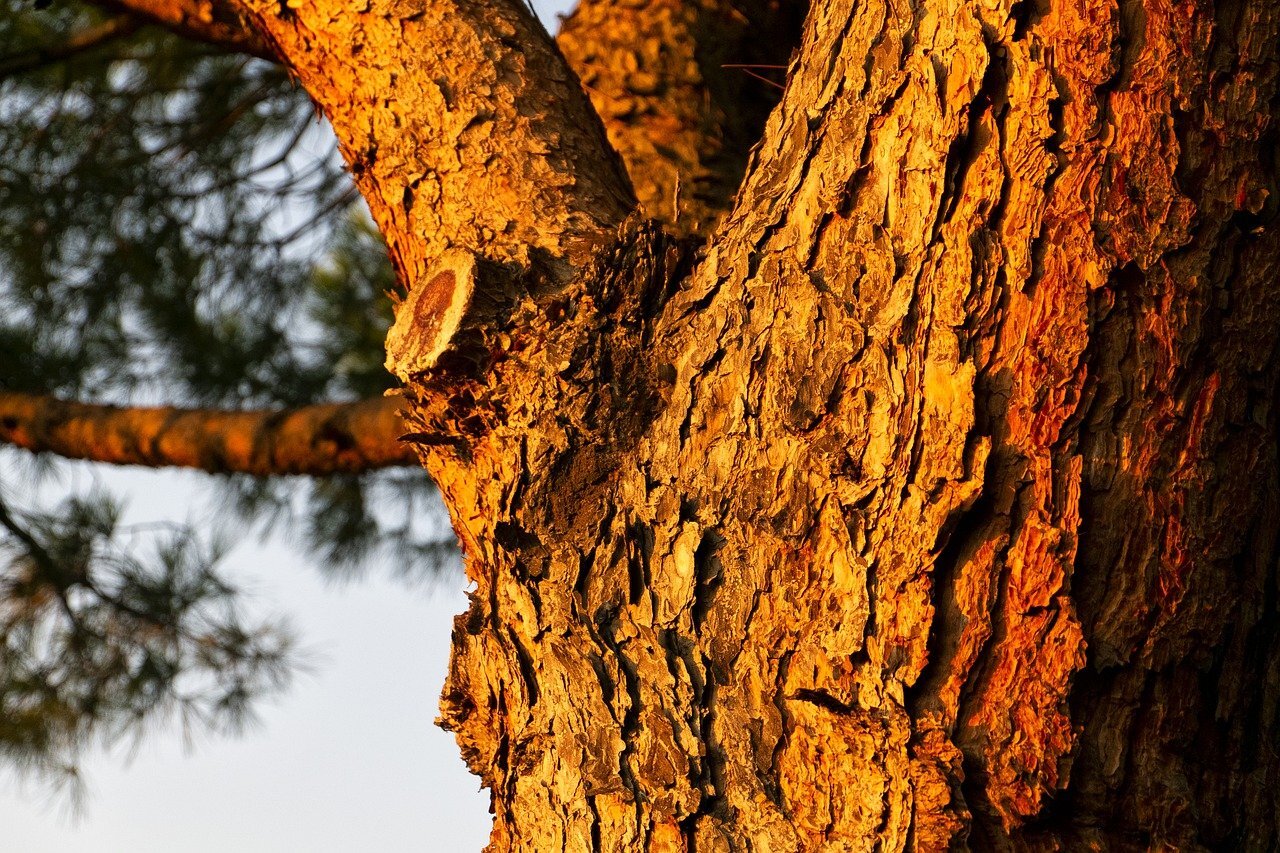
(159, 211)
(176, 228)
(99, 643)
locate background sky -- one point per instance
(348, 761)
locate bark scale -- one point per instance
(932, 503)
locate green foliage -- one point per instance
(157, 210)
(99, 643)
(175, 227)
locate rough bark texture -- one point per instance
(322, 439)
(684, 89)
(932, 503)
(462, 125)
(937, 505)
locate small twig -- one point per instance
(745, 67)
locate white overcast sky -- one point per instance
(348, 761)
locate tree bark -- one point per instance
(684, 89)
(932, 503)
(218, 22)
(317, 440)
(478, 139)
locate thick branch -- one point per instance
(684, 89)
(216, 22)
(677, 84)
(462, 125)
(316, 440)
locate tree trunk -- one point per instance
(933, 502)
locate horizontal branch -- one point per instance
(216, 22)
(316, 440)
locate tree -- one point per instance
(928, 499)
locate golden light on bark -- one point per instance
(321, 439)
(931, 501)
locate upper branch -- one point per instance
(217, 22)
(317, 440)
(684, 88)
(462, 125)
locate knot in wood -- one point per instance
(430, 316)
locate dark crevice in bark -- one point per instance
(630, 719)
(823, 700)
(769, 776)
(1025, 15)
(1099, 412)
(713, 763)
(527, 671)
(986, 815)
(961, 153)
(639, 555)
(709, 575)
(967, 532)
(595, 824)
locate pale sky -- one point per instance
(348, 761)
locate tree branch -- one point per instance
(218, 22)
(316, 440)
(462, 125)
(670, 80)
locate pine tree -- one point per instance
(908, 481)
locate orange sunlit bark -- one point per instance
(321, 439)
(216, 22)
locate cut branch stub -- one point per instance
(428, 318)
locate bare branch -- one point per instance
(216, 22)
(316, 440)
